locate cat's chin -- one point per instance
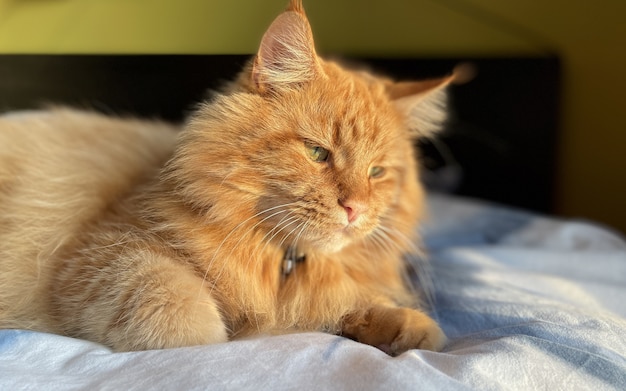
(332, 243)
(327, 248)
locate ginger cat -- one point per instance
(286, 203)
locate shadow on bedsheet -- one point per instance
(469, 224)
(583, 346)
(486, 306)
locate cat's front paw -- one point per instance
(395, 330)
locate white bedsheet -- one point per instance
(527, 302)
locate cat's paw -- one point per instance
(395, 330)
(418, 332)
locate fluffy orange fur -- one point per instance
(138, 236)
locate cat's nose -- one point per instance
(353, 209)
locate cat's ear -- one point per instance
(286, 56)
(422, 102)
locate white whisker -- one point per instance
(286, 224)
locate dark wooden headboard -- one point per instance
(499, 144)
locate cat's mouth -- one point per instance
(308, 228)
(349, 231)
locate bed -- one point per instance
(527, 301)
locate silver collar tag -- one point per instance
(291, 258)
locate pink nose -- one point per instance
(353, 209)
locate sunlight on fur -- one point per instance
(139, 235)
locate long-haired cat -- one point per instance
(286, 203)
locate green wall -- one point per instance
(235, 26)
(591, 36)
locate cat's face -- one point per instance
(312, 153)
(331, 160)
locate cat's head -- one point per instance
(312, 152)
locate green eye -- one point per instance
(376, 171)
(317, 153)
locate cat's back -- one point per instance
(58, 169)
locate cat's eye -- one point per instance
(376, 171)
(317, 153)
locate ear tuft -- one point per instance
(296, 6)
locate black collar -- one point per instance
(292, 257)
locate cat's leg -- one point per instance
(164, 305)
(394, 330)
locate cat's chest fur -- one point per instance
(111, 257)
(245, 271)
